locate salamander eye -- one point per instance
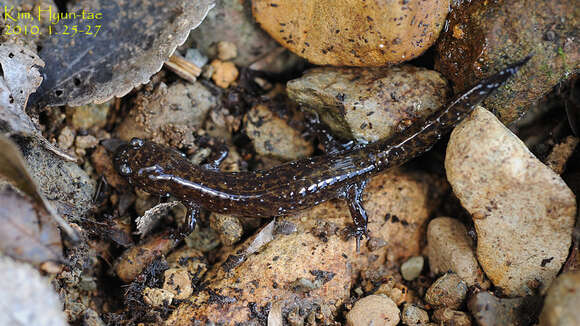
(125, 170)
(136, 143)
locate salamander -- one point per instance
(296, 185)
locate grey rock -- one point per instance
(489, 310)
(369, 103)
(411, 269)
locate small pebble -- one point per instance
(376, 310)
(87, 116)
(447, 291)
(224, 74)
(562, 305)
(228, 227)
(84, 142)
(178, 282)
(157, 297)
(523, 236)
(191, 259)
(450, 317)
(226, 50)
(66, 138)
(449, 248)
(411, 269)
(92, 318)
(413, 315)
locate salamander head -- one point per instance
(125, 154)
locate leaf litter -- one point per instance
(133, 42)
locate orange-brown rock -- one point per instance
(309, 264)
(352, 32)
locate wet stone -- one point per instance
(369, 104)
(447, 291)
(523, 236)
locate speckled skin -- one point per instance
(296, 185)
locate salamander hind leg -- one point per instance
(353, 197)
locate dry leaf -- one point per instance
(27, 233)
(26, 297)
(13, 168)
(133, 42)
(20, 68)
(149, 220)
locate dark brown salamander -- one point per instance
(296, 185)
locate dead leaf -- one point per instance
(27, 233)
(133, 42)
(149, 220)
(262, 238)
(13, 168)
(20, 68)
(26, 297)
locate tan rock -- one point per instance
(178, 282)
(447, 291)
(561, 305)
(353, 33)
(157, 297)
(413, 315)
(523, 212)
(273, 137)
(376, 310)
(224, 74)
(226, 50)
(449, 248)
(450, 317)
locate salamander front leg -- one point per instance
(218, 155)
(191, 217)
(330, 143)
(353, 197)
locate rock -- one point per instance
(136, 258)
(369, 104)
(88, 116)
(483, 37)
(228, 227)
(191, 259)
(168, 115)
(91, 318)
(447, 291)
(224, 73)
(231, 21)
(84, 142)
(226, 50)
(561, 305)
(298, 252)
(272, 136)
(178, 282)
(411, 269)
(353, 33)
(376, 310)
(523, 236)
(450, 317)
(157, 297)
(449, 248)
(413, 315)
(561, 153)
(488, 310)
(66, 138)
